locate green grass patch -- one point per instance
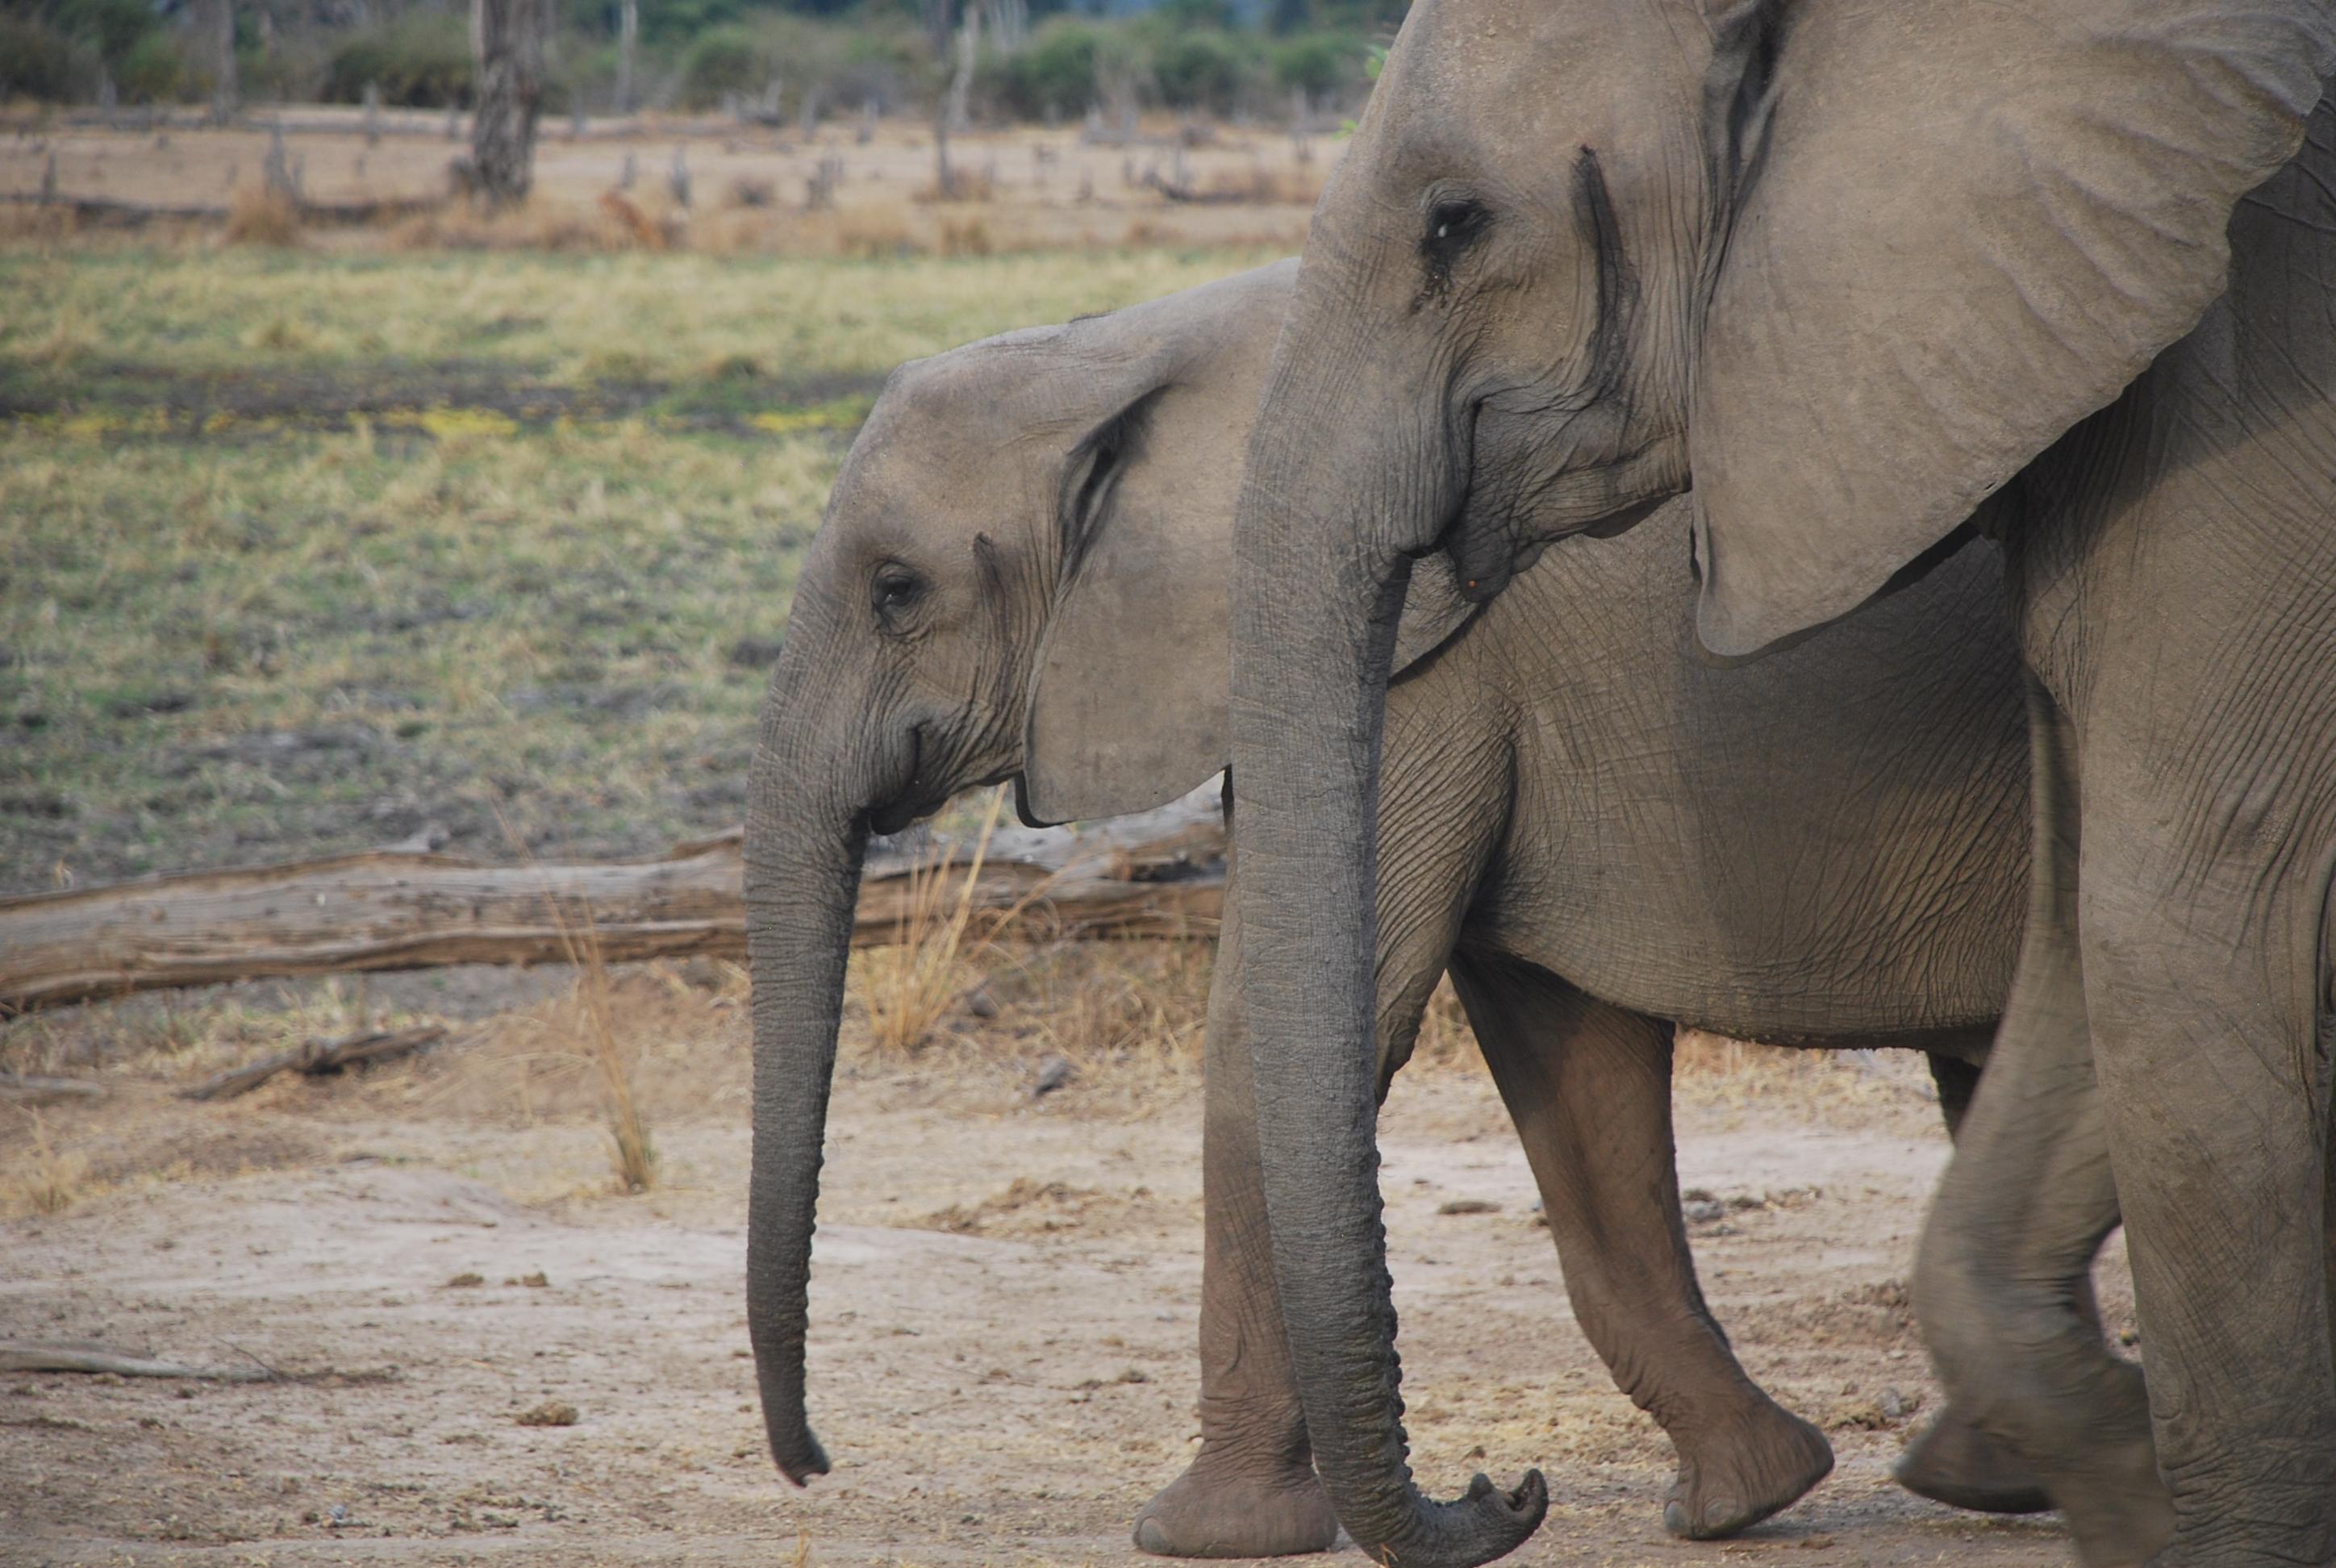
(570, 319)
(218, 654)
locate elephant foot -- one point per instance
(1225, 1507)
(2116, 1507)
(1723, 1486)
(1957, 1464)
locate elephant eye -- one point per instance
(1452, 226)
(894, 590)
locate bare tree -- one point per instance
(628, 33)
(226, 91)
(507, 38)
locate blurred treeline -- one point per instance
(795, 61)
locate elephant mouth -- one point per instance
(916, 799)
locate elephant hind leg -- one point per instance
(2002, 1283)
(1589, 1087)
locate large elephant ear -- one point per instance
(1969, 225)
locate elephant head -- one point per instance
(1021, 575)
(1840, 269)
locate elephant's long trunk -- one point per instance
(1315, 612)
(804, 844)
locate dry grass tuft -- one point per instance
(1445, 1038)
(968, 237)
(258, 215)
(44, 1181)
(591, 1026)
(631, 1155)
(627, 215)
(964, 185)
(906, 989)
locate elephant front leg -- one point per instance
(1252, 1490)
(1589, 1087)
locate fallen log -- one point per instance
(107, 211)
(1159, 874)
(16, 1356)
(318, 1058)
(18, 1089)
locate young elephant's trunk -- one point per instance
(805, 840)
(1315, 613)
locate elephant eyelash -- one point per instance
(892, 591)
(1453, 225)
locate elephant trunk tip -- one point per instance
(1482, 1524)
(799, 1456)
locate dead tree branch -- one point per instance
(1159, 874)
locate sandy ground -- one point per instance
(1004, 1311)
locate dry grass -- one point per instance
(631, 1155)
(43, 1181)
(258, 215)
(906, 989)
(592, 1025)
(964, 185)
(820, 198)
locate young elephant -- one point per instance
(1022, 575)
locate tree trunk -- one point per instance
(507, 40)
(226, 91)
(1159, 874)
(628, 33)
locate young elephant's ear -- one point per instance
(1127, 696)
(1965, 226)
(1127, 700)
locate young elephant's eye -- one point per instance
(893, 591)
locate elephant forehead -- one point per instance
(1526, 69)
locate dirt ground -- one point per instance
(1003, 1311)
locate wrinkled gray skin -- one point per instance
(1547, 759)
(1858, 272)
(1600, 834)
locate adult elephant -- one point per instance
(1023, 574)
(1863, 276)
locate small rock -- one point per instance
(1053, 1072)
(1468, 1207)
(551, 1413)
(464, 1281)
(1702, 1211)
(535, 1281)
(980, 1003)
(427, 839)
(1135, 1375)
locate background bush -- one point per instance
(1192, 56)
(421, 59)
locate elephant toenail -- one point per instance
(1675, 1517)
(1719, 1512)
(1150, 1537)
